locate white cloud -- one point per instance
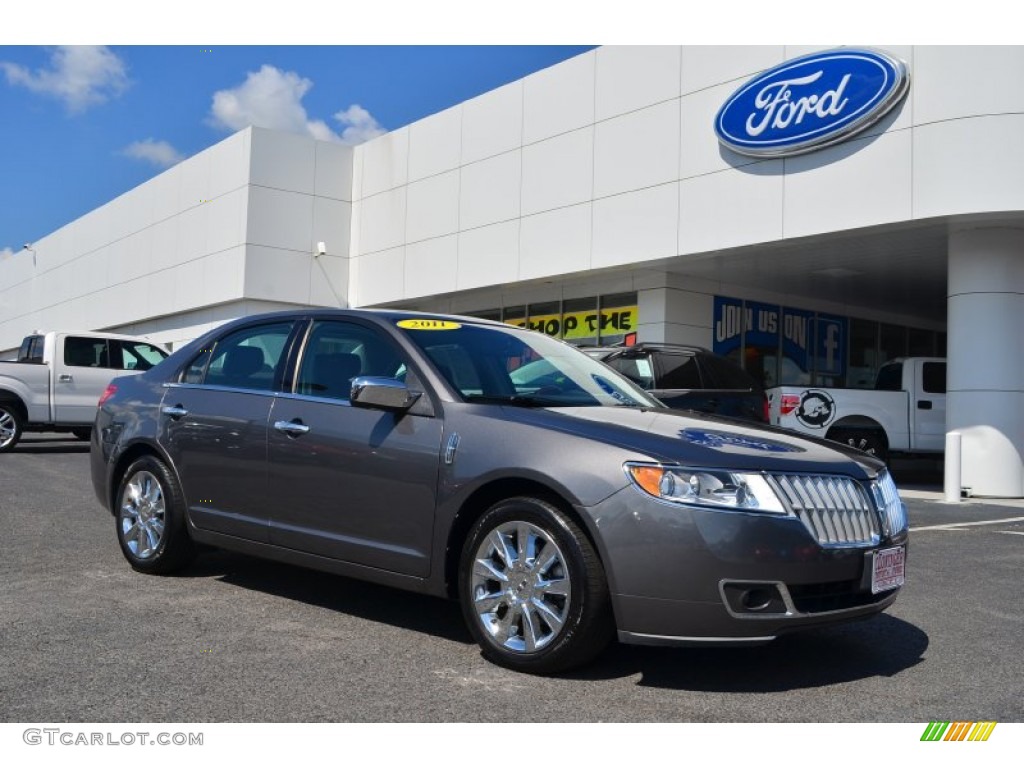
(159, 153)
(359, 124)
(272, 99)
(78, 75)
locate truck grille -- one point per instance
(836, 510)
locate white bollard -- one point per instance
(952, 479)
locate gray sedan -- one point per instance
(559, 503)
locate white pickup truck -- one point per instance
(57, 379)
(904, 413)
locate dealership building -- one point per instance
(611, 194)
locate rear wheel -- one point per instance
(871, 441)
(151, 518)
(11, 422)
(532, 589)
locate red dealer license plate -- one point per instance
(887, 570)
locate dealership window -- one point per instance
(594, 320)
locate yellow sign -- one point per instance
(611, 321)
(426, 324)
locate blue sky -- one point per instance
(83, 124)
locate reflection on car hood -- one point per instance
(672, 436)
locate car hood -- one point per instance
(671, 436)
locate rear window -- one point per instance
(31, 350)
(890, 377)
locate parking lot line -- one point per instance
(954, 526)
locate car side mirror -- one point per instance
(381, 392)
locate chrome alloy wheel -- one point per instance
(520, 587)
(143, 514)
(8, 428)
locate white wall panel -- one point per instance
(164, 197)
(385, 162)
(700, 151)
(559, 99)
(631, 77)
(382, 221)
(728, 209)
(435, 144)
(165, 252)
(192, 227)
(954, 81)
(967, 166)
(225, 220)
(431, 267)
(277, 274)
(640, 149)
(855, 184)
(636, 226)
(229, 163)
(132, 257)
(333, 170)
(380, 277)
(489, 190)
(194, 185)
(492, 123)
(555, 242)
(189, 279)
(329, 281)
(283, 161)
(708, 65)
(433, 207)
(223, 276)
(488, 255)
(279, 219)
(558, 172)
(332, 220)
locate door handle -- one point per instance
(924, 405)
(174, 411)
(65, 378)
(291, 428)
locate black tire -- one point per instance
(871, 441)
(530, 605)
(149, 516)
(11, 423)
(82, 433)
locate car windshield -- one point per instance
(510, 365)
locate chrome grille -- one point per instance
(836, 510)
(887, 497)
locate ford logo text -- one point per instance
(811, 102)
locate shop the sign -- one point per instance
(811, 102)
(582, 325)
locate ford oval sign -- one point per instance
(811, 102)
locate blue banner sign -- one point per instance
(811, 102)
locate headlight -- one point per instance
(706, 487)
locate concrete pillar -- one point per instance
(985, 383)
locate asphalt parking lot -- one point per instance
(86, 639)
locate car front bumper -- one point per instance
(686, 575)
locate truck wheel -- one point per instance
(10, 426)
(532, 588)
(871, 441)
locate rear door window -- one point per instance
(677, 371)
(250, 358)
(86, 352)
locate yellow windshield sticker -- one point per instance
(426, 324)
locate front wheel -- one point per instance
(10, 427)
(150, 518)
(532, 588)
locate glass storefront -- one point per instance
(592, 321)
(796, 347)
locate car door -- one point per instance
(345, 482)
(81, 373)
(213, 425)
